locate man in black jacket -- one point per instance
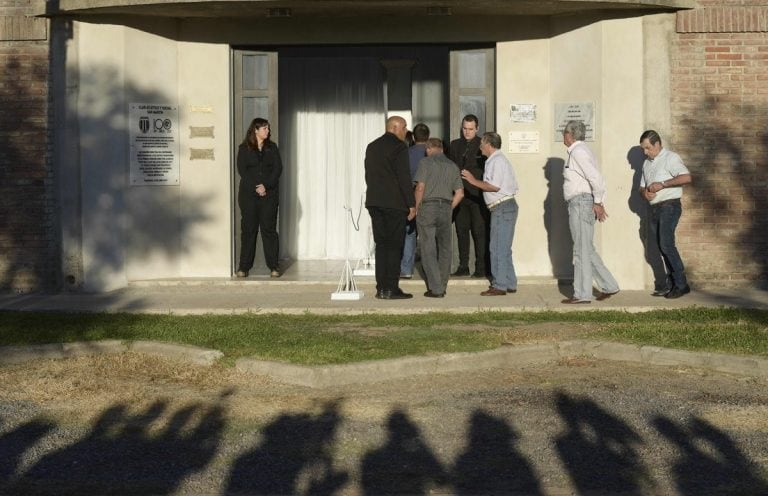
(471, 216)
(390, 203)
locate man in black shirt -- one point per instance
(390, 203)
(471, 214)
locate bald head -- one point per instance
(397, 126)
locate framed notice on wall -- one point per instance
(154, 144)
(584, 112)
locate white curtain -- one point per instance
(330, 109)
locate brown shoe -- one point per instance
(241, 273)
(494, 292)
(604, 296)
(574, 301)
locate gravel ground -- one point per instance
(134, 424)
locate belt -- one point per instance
(436, 200)
(665, 202)
(499, 202)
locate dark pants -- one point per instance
(258, 213)
(472, 217)
(664, 219)
(388, 234)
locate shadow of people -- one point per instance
(16, 442)
(131, 453)
(559, 241)
(293, 446)
(710, 462)
(599, 450)
(640, 207)
(491, 464)
(404, 465)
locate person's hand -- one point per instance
(467, 175)
(655, 187)
(411, 213)
(648, 195)
(600, 213)
(261, 190)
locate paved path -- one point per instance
(224, 296)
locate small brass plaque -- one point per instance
(201, 154)
(201, 132)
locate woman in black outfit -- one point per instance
(259, 166)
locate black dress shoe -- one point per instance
(430, 294)
(384, 294)
(678, 292)
(660, 292)
(479, 275)
(398, 294)
(461, 271)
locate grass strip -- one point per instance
(326, 339)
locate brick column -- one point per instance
(719, 103)
(28, 260)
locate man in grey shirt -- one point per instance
(438, 190)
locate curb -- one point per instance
(323, 376)
(505, 357)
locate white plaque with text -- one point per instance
(524, 142)
(154, 142)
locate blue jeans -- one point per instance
(664, 219)
(409, 249)
(587, 264)
(503, 220)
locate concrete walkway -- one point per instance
(262, 295)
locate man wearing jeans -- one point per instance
(664, 175)
(416, 152)
(499, 187)
(584, 190)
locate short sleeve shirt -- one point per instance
(440, 177)
(665, 166)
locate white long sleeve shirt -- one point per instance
(581, 174)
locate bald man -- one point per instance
(390, 203)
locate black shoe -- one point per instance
(660, 292)
(384, 294)
(461, 271)
(430, 294)
(479, 275)
(398, 294)
(678, 292)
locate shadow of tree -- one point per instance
(14, 443)
(404, 465)
(709, 460)
(730, 184)
(599, 450)
(491, 464)
(155, 449)
(70, 218)
(129, 453)
(294, 457)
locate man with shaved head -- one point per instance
(390, 203)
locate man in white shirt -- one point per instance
(664, 175)
(584, 190)
(499, 187)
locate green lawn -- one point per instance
(321, 339)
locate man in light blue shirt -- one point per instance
(499, 187)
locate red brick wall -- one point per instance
(719, 102)
(27, 240)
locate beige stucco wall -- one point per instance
(599, 63)
(141, 232)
